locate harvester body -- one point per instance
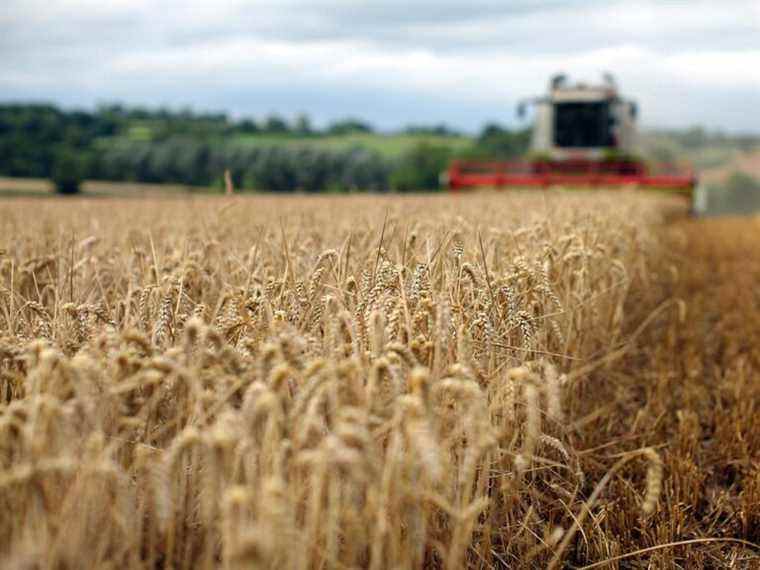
(583, 135)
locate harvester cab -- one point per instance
(582, 122)
(583, 136)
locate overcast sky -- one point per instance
(391, 62)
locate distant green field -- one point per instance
(389, 145)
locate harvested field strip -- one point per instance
(487, 381)
(690, 390)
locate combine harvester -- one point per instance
(583, 136)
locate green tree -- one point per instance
(248, 127)
(276, 125)
(348, 127)
(302, 126)
(67, 172)
(498, 142)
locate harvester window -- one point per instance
(583, 125)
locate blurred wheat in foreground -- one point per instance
(353, 383)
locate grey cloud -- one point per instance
(76, 55)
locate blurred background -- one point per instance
(338, 95)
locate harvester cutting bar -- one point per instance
(578, 173)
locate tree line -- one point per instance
(119, 143)
(275, 168)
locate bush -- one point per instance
(68, 172)
(282, 169)
(363, 169)
(420, 168)
(499, 142)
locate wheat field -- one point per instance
(488, 381)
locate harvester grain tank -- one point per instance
(583, 136)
